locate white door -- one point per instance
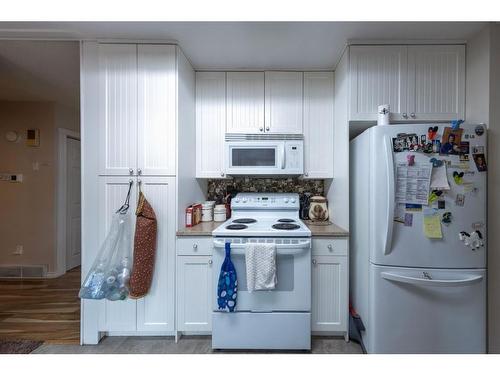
(155, 312)
(118, 109)
(436, 82)
(210, 124)
(156, 110)
(284, 101)
(73, 204)
(318, 124)
(195, 293)
(329, 293)
(116, 316)
(426, 311)
(396, 244)
(245, 102)
(378, 75)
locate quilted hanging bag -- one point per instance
(144, 249)
(227, 287)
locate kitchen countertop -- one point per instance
(205, 228)
(331, 230)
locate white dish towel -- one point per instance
(260, 261)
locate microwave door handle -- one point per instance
(283, 157)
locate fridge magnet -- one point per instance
(446, 219)
(480, 162)
(464, 157)
(474, 240)
(439, 178)
(411, 160)
(413, 207)
(434, 195)
(423, 139)
(477, 225)
(432, 224)
(436, 162)
(455, 124)
(460, 200)
(479, 130)
(405, 142)
(478, 150)
(464, 148)
(450, 143)
(408, 220)
(458, 177)
(441, 204)
(436, 146)
(432, 133)
(469, 187)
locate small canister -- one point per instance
(220, 212)
(207, 211)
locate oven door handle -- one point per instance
(281, 249)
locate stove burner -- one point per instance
(286, 221)
(245, 221)
(286, 226)
(236, 226)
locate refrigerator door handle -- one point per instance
(390, 195)
(431, 282)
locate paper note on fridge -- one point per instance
(439, 178)
(432, 224)
(412, 183)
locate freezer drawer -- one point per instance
(416, 310)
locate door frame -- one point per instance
(61, 205)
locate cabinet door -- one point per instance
(318, 124)
(284, 101)
(378, 75)
(195, 294)
(436, 83)
(157, 102)
(245, 102)
(210, 124)
(155, 312)
(329, 294)
(118, 316)
(118, 109)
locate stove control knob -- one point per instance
(244, 200)
(292, 200)
(285, 200)
(237, 200)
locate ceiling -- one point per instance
(34, 69)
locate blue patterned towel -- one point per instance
(227, 288)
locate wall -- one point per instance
(27, 216)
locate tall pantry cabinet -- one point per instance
(130, 99)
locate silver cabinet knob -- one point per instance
(195, 246)
(210, 261)
(330, 247)
(412, 114)
(131, 171)
(139, 171)
(306, 174)
(261, 129)
(222, 174)
(314, 261)
(405, 115)
(139, 182)
(267, 129)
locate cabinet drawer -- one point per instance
(194, 246)
(329, 246)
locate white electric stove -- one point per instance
(271, 319)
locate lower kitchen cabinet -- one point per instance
(194, 293)
(330, 290)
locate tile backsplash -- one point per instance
(216, 189)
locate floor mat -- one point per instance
(18, 346)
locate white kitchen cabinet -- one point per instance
(116, 315)
(283, 102)
(117, 109)
(436, 82)
(210, 124)
(194, 293)
(245, 102)
(378, 75)
(318, 124)
(156, 110)
(330, 290)
(155, 311)
(137, 109)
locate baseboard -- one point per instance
(54, 274)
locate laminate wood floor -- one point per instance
(41, 309)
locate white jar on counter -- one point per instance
(207, 211)
(220, 212)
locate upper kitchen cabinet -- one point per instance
(436, 82)
(210, 124)
(137, 114)
(378, 75)
(318, 124)
(118, 109)
(245, 102)
(420, 82)
(283, 102)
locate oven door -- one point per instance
(293, 288)
(255, 157)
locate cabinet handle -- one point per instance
(210, 261)
(412, 115)
(267, 129)
(195, 246)
(130, 171)
(330, 247)
(306, 174)
(405, 115)
(314, 261)
(139, 171)
(261, 129)
(222, 174)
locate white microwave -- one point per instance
(254, 155)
